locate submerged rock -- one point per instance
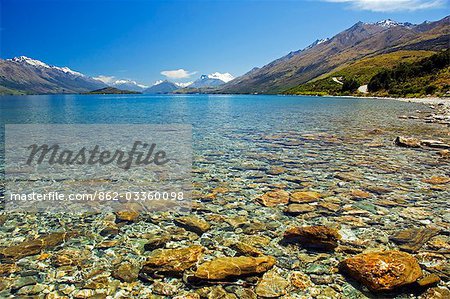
(155, 242)
(436, 293)
(429, 280)
(33, 247)
(382, 271)
(232, 267)
(297, 208)
(6, 269)
(246, 249)
(319, 237)
(126, 272)
(407, 142)
(271, 285)
(274, 198)
(411, 240)
(305, 196)
(192, 223)
(437, 180)
(444, 153)
(128, 216)
(434, 144)
(300, 280)
(172, 261)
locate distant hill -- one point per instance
(163, 87)
(360, 41)
(112, 90)
(23, 75)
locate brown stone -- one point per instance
(330, 206)
(437, 180)
(360, 194)
(193, 224)
(271, 285)
(70, 257)
(276, 170)
(348, 176)
(155, 242)
(220, 293)
(6, 269)
(305, 196)
(165, 289)
(436, 293)
(274, 198)
(3, 219)
(33, 247)
(127, 215)
(230, 267)
(429, 280)
(107, 244)
(245, 249)
(126, 272)
(407, 142)
(172, 261)
(110, 230)
(444, 153)
(412, 239)
(297, 208)
(382, 271)
(300, 280)
(319, 237)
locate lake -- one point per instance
(340, 150)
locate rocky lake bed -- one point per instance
(356, 206)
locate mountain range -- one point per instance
(360, 41)
(205, 82)
(355, 54)
(26, 75)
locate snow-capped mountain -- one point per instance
(40, 64)
(183, 84)
(124, 84)
(28, 75)
(211, 80)
(225, 77)
(317, 42)
(388, 23)
(129, 85)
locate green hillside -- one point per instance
(429, 76)
(360, 72)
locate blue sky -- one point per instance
(138, 39)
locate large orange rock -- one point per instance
(193, 223)
(172, 261)
(305, 196)
(382, 271)
(274, 198)
(230, 267)
(318, 236)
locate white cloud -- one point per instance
(177, 74)
(391, 5)
(106, 79)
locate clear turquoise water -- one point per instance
(328, 145)
(234, 130)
